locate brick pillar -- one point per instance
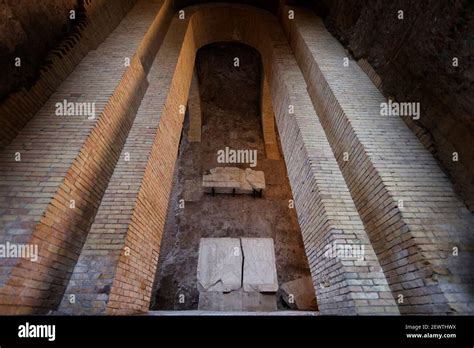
(420, 230)
(116, 268)
(54, 192)
(194, 110)
(268, 124)
(326, 212)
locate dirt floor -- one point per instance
(233, 121)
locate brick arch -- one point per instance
(320, 198)
(269, 134)
(256, 59)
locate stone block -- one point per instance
(237, 301)
(219, 264)
(228, 179)
(253, 179)
(259, 265)
(299, 294)
(222, 179)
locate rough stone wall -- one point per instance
(66, 158)
(35, 84)
(413, 217)
(29, 31)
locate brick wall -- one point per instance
(194, 110)
(422, 134)
(408, 206)
(102, 16)
(116, 269)
(68, 158)
(268, 124)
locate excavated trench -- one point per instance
(230, 104)
(109, 246)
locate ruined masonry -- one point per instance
(116, 170)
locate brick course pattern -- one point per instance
(102, 17)
(66, 158)
(195, 113)
(268, 124)
(117, 266)
(414, 219)
(423, 134)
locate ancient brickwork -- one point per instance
(268, 124)
(121, 245)
(195, 113)
(133, 283)
(423, 134)
(94, 193)
(325, 210)
(414, 219)
(50, 197)
(102, 17)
